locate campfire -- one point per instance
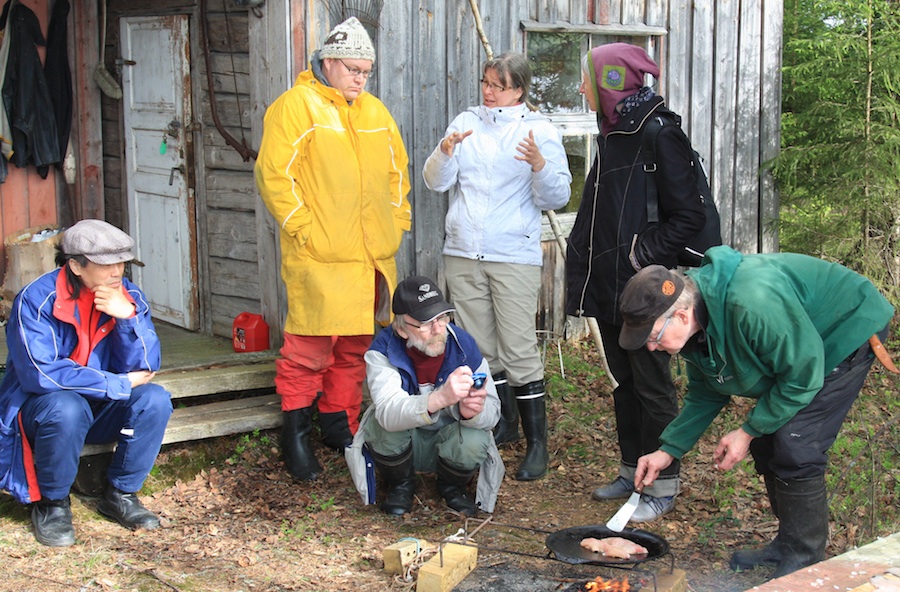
(599, 584)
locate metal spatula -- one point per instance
(621, 518)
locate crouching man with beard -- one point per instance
(428, 413)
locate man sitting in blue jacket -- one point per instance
(82, 353)
(428, 413)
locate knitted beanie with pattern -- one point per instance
(348, 40)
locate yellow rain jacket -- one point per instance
(334, 176)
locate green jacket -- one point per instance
(778, 324)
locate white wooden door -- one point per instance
(157, 116)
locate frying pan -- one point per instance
(566, 544)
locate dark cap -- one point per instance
(420, 298)
(647, 295)
(100, 242)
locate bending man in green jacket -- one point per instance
(792, 332)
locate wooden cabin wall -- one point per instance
(225, 188)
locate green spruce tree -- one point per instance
(839, 169)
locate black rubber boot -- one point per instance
(768, 556)
(533, 409)
(335, 430)
(52, 521)
(295, 445)
(803, 523)
(507, 429)
(452, 484)
(399, 476)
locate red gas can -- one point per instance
(250, 332)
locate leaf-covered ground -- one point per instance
(233, 520)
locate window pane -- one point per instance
(579, 149)
(556, 71)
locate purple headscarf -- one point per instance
(619, 70)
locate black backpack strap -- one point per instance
(648, 139)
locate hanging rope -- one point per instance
(554, 221)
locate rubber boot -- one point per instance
(399, 476)
(533, 409)
(452, 484)
(768, 556)
(803, 526)
(507, 429)
(335, 430)
(295, 445)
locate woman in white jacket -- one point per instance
(503, 163)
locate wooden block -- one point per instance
(458, 562)
(671, 582)
(398, 556)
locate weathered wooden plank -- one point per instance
(232, 235)
(233, 110)
(225, 63)
(231, 190)
(721, 159)
(197, 382)
(746, 172)
(227, 158)
(674, 81)
(222, 419)
(427, 129)
(233, 278)
(113, 168)
(770, 124)
(228, 32)
(231, 83)
(211, 420)
(697, 122)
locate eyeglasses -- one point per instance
(659, 335)
(441, 320)
(354, 72)
(494, 87)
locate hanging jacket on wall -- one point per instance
(59, 77)
(26, 95)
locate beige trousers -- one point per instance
(496, 303)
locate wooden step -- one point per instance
(217, 379)
(210, 420)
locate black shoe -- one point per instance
(52, 521)
(126, 509)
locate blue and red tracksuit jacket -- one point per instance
(42, 333)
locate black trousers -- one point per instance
(799, 449)
(645, 400)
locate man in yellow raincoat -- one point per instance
(332, 170)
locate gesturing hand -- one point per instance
(450, 142)
(530, 153)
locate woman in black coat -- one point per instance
(612, 239)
